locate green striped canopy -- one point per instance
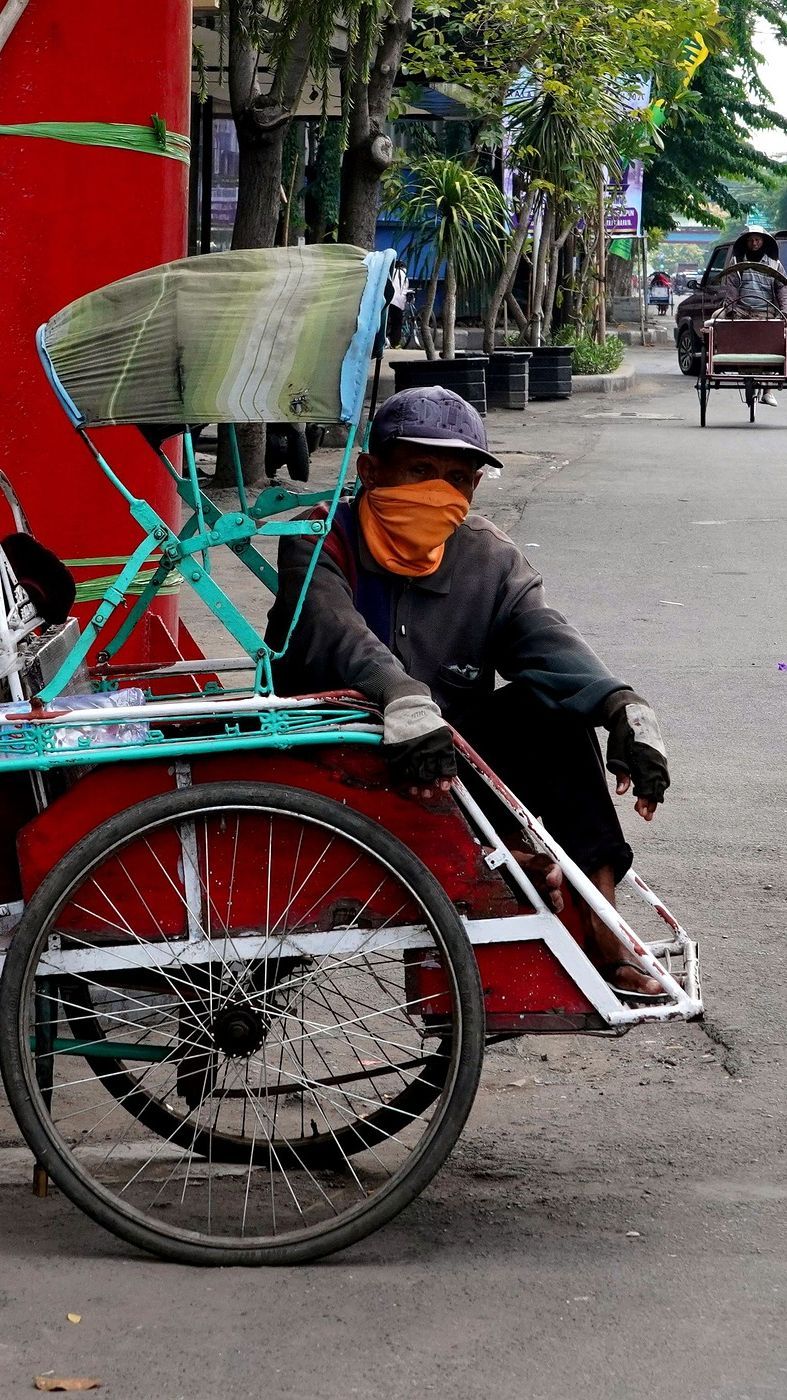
(272, 334)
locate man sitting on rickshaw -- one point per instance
(419, 604)
(751, 294)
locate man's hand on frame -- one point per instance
(635, 751)
(418, 746)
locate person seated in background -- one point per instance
(420, 604)
(751, 294)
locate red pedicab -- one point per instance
(248, 984)
(743, 352)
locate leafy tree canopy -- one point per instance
(482, 47)
(711, 141)
(765, 203)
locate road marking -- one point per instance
(629, 413)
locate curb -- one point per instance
(617, 383)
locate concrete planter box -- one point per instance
(507, 378)
(465, 375)
(550, 372)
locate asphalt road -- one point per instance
(613, 1222)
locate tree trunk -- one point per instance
(515, 310)
(539, 273)
(554, 267)
(601, 254)
(426, 312)
(506, 278)
(259, 184)
(619, 271)
(569, 307)
(588, 262)
(448, 319)
(369, 151)
(261, 122)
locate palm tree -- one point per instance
(459, 221)
(563, 136)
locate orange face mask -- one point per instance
(406, 527)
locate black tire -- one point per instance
(297, 453)
(275, 448)
(315, 434)
(106, 849)
(750, 394)
(689, 353)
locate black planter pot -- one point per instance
(550, 372)
(507, 378)
(465, 375)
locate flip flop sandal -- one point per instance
(608, 972)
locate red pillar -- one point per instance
(73, 217)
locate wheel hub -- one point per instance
(239, 1030)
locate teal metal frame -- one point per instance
(189, 552)
(38, 741)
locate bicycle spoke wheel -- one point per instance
(241, 1024)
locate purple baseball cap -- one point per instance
(433, 416)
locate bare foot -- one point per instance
(616, 965)
(545, 874)
(627, 977)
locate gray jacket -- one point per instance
(755, 291)
(482, 612)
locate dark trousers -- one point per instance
(395, 319)
(552, 761)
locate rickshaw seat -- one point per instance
(747, 346)
(776, 361)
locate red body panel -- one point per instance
(517, 977)
(73, 218)
(438, 833)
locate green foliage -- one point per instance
(292, 181)
(456, 214)
(561, 143)
(711, 142)
(587, 356)
(274, 29)
(483, 46)
(324, 186)
(199, 70)
(765, 203)
(669, 256)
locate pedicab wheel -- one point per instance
(253, 951)
(411, 332)
(157, 1112)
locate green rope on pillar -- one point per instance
(154, 140)
(92, 590)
